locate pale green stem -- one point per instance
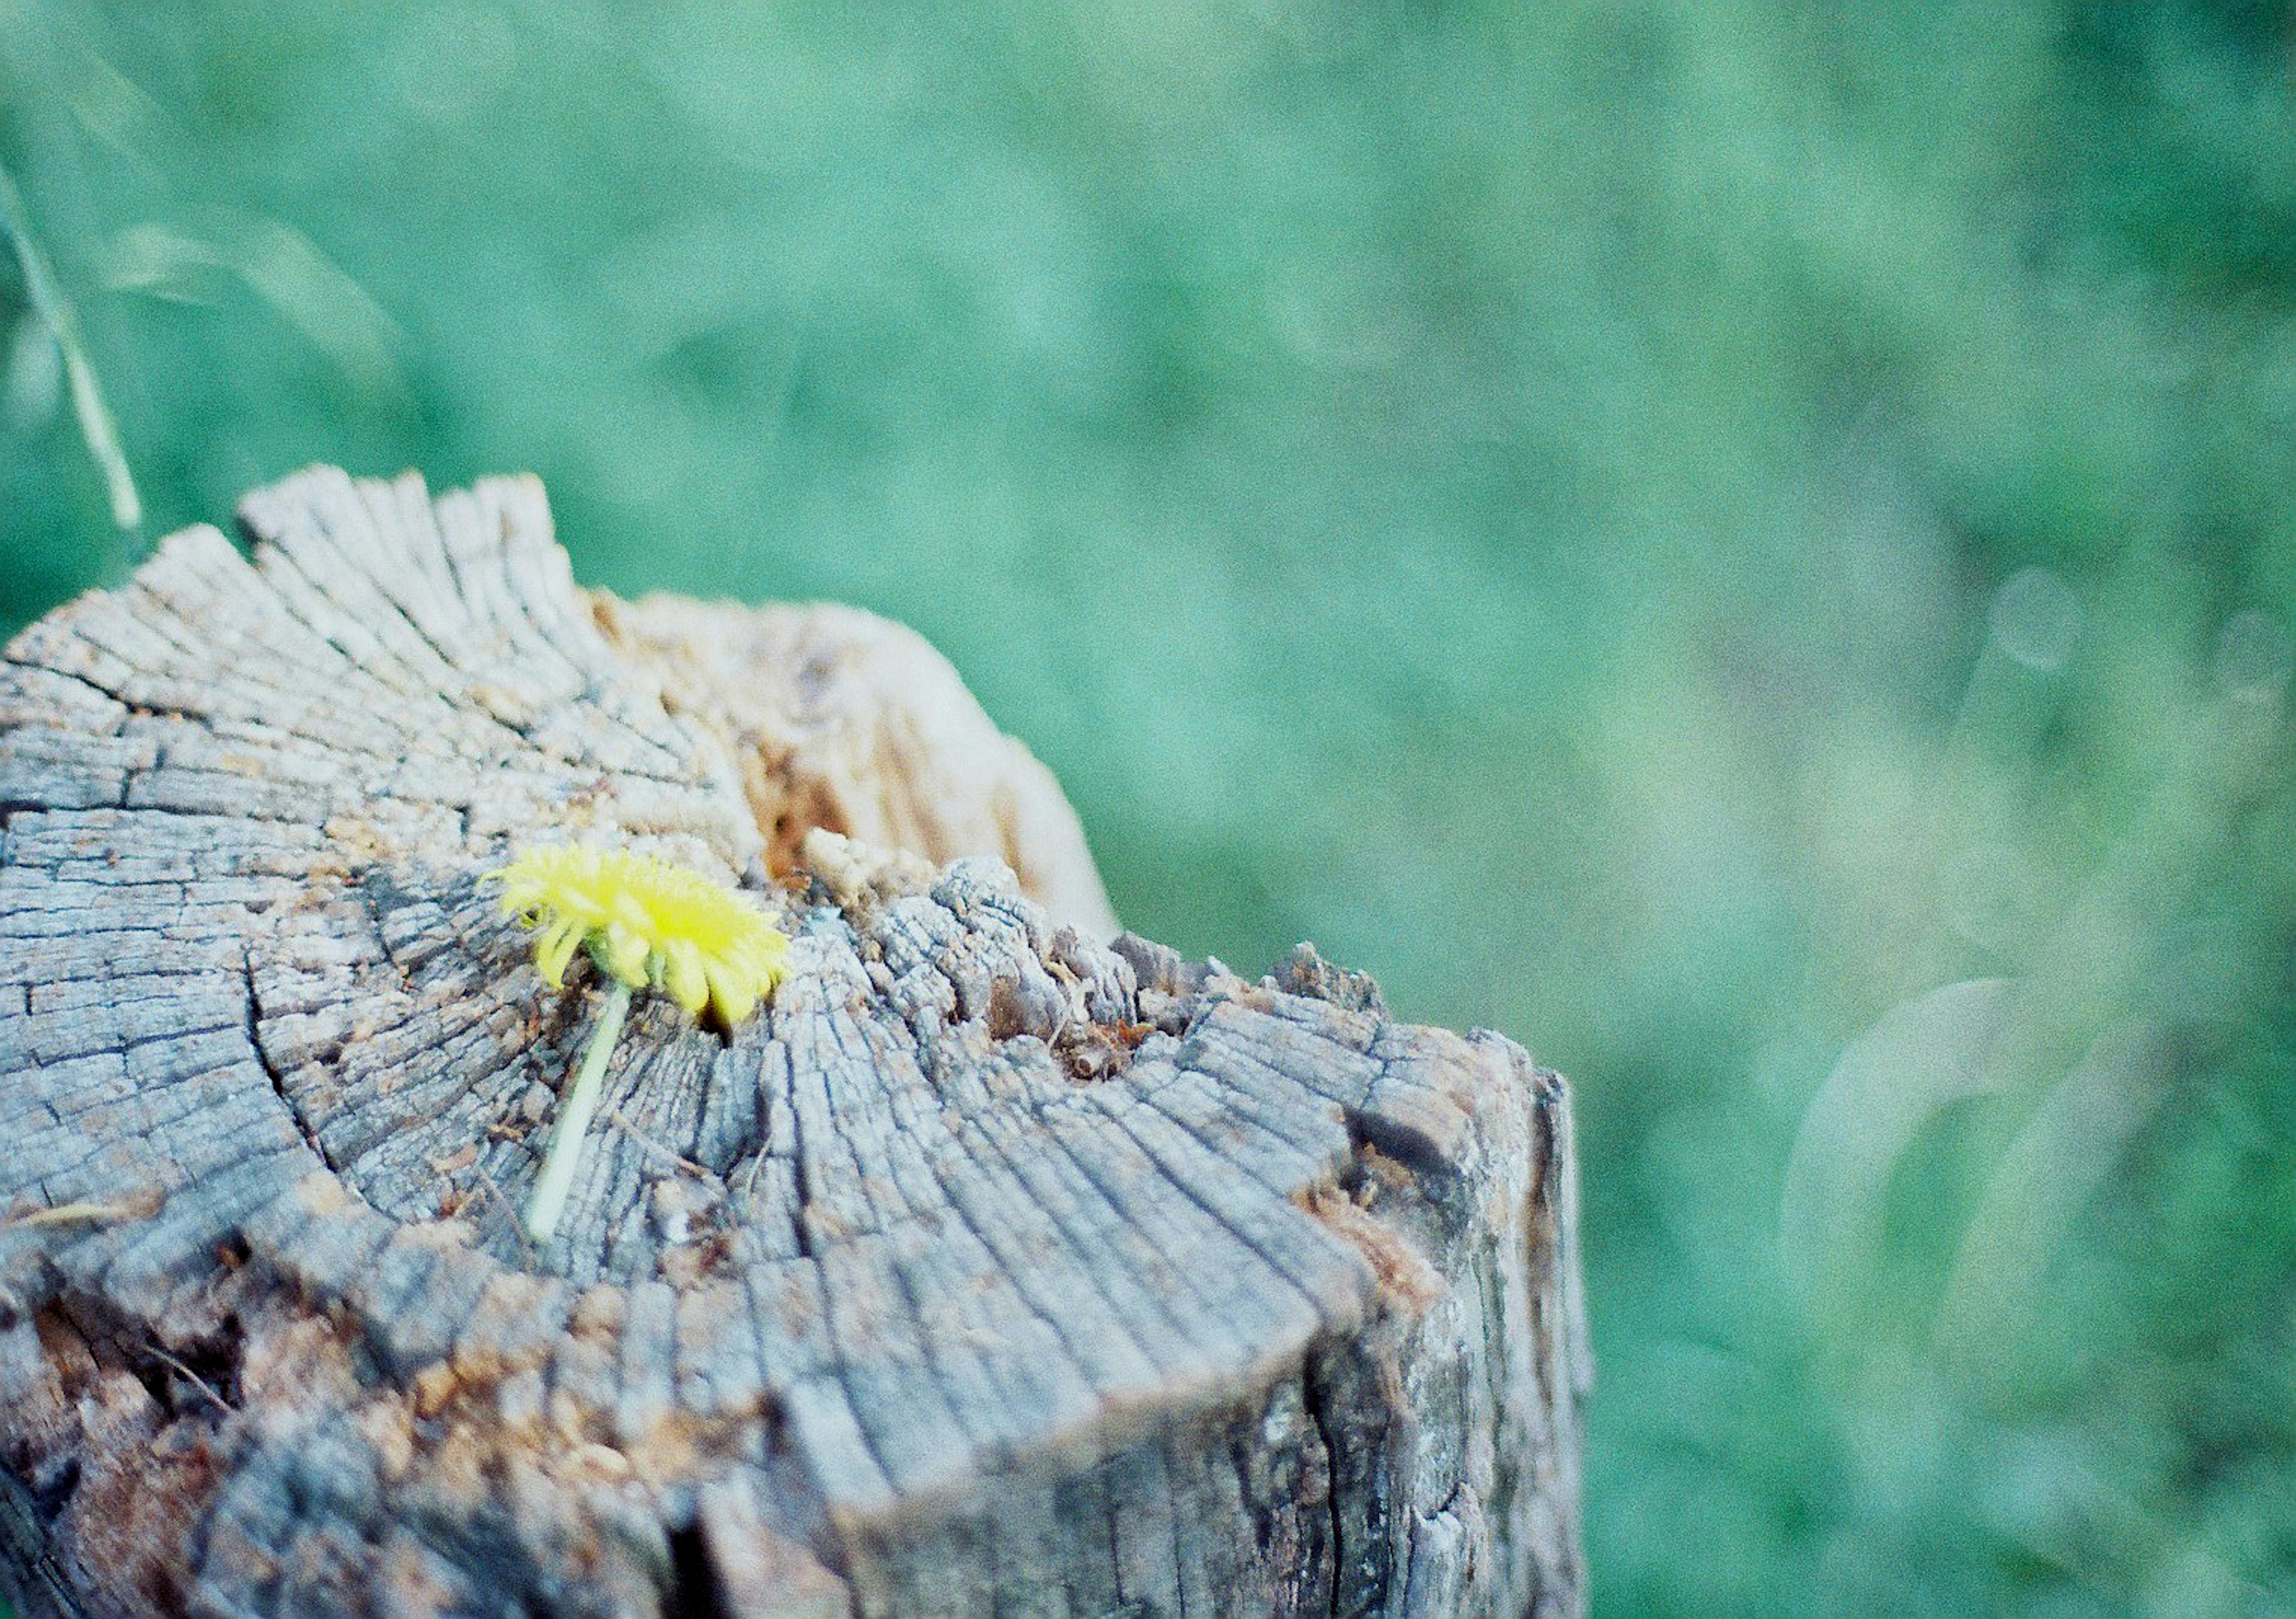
(564, 1154)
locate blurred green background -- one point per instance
(1748, 544)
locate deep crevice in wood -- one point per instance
(693, 1588)
(253, 1023)
(1316, 1396)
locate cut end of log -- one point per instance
(998, 1267)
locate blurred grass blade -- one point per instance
(281, 266)
(1925, 1054)
(95, 423)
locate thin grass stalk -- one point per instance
(96, 425)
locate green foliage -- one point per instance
(1747, 543)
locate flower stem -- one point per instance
(564, 1153)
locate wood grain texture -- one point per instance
(996, 1270)
(838, 719)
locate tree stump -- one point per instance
(997, 1269)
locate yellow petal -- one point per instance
(553, 950)
(683, 975)
(626, 954)
(735, 993)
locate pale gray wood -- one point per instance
(993, 1270)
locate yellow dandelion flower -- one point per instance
(643, 921)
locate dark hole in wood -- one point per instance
(693, 1590)
(51, 1493)
(195, 1382)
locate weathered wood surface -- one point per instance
(994, 1270)
(839, 720)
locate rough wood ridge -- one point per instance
(996, 1271)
